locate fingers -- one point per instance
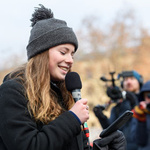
(114, 141)
(81, 109)
(142, 104)
(84, 102)
(87, 107)
(115, 137)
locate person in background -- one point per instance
(141, 121)
(132, 81)
(36, 110)
(131, 84)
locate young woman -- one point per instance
(36, 110)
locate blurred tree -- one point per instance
(119, 45)
(91, 38)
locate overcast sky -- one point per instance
(15, 18)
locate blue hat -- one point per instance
(145, 88)
(132, 73)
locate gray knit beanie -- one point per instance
(48, 32)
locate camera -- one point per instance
(113, 91)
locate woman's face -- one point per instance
(60, 61)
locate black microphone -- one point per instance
(74, 85)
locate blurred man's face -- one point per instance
(147, 97)
(131, 84)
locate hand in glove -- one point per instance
(114, 141)
(98, 111)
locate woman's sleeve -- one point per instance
(19, 131)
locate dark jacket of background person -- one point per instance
(126, 129)
(141, 124)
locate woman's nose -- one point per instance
(69, 59)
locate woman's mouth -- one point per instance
(64, 68)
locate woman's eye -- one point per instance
(63, 53)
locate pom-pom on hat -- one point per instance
(48, 32)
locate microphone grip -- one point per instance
(76, 94)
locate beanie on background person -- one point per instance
(48, 32)
(145, 88)
(138, 77)
(131, 73)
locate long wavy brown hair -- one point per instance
(42, 100)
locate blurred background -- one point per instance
(113, 36)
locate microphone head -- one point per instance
(73, 81)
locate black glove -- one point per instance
(114, 141)
(132, 98)
(114, 93)
(98, 111)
